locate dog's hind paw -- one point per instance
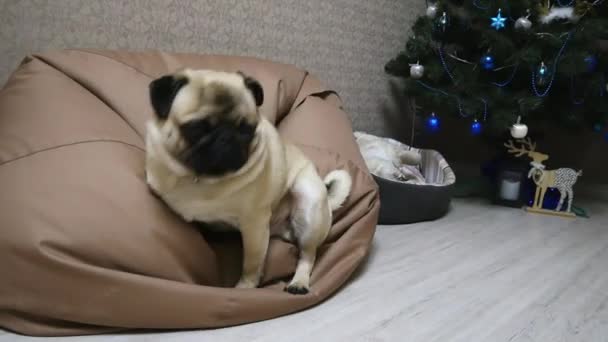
(296, 289)
(246, 284)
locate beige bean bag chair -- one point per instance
(85, 248)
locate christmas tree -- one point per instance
(490, 61)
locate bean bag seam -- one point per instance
(321, 95)
(113, 59)
(70, 144)
(98, 97)
(293, 105)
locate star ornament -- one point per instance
(498, 22)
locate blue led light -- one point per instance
(487, 62)
(432, 123)
(476, 127)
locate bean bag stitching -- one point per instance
(113, 59)
(122, 116)
(322, 95)
(71, 144)
(293, 107)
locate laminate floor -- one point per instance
(482, 273)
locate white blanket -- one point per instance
(388, 158)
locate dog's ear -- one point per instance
(162, 93)
(255, 87)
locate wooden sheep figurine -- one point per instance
(562, 179)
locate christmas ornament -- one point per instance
(432, 123)
(523, 23)
(606, 136)
(543, 70)
(563, 179)
(498, 22)
(443, 22)
(416, 71)
(487, 61)
(519, 130)
(544, 80)
(543, 74)
(431, 11)
(476, 127)
(591, 63)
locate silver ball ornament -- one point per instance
(416, 71)
(431, 11)
(523, 23)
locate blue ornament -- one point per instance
(606, 136)
(498, 22)
(543, 71)
(432, 123)
(591, 63)
(487, 62)
(543, 74)
(476, 127)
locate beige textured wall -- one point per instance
(343, 42)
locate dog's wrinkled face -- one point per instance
(207, 119)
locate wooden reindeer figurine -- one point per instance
(562, 179)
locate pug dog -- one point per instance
(211, 157)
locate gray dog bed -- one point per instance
(407, 202)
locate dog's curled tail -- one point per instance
(338, 183)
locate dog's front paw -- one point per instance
(246, 284)
(297, 289)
